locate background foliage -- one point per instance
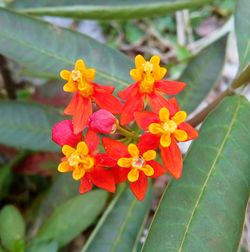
(203, 211)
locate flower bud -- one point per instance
(102, 121)
(62, 133)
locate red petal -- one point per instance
(92, 140)
(103, 179)
(107, 101)
(192, 132)
(170, 87)
(62, 133)
(82, 111)
(129, 91)
(157, 102)
(143, 119)
(115, 148)
(69, 110)
(139, 188)
(172, 159)
(105, 160)
(158, 169)
(175, 106)
(148, 141)
(120, 174)
(109, 89)
(86, 184)
(132, 105)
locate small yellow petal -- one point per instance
(165, 140)
(64, 167)
(164, 114)
(90, 74)
(133, 150)
(67, 150)
(82, 148)
(155, 128)
(155, 60)
(149, 155)
(89, 162)
(139, 61)
(148, 170)
(180, 135)
(179, 117)
(70, 87)
(78, 173)
(136, 74)
(133, 175)
(124, 162)
(65, 74)
(160, 73)
(80, 65)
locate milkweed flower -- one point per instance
(80, 82)
(83, 160)
(165, 129)
(149, 86)
(62, 133)
(134, 164)
(102, 121)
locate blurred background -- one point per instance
(28, 176)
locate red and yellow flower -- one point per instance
(133, 163)
(82, 159)
(165, 129)
(80, 82)
(148, 87)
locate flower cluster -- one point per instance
(145, 122)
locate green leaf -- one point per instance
(27, 126)
(45, 49)
(202, 74)
(12, 229)
(121, 224)
(62, 189)
(204, 210)
(242, 29)
(110, 9)
(6, 175)
(43, 246)
(73, 217)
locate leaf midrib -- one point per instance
(30, 45)
(123, 226)
(209, 175)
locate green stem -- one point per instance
(242, 79)
(124, 131)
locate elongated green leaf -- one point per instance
(120, 225)
(47, 49)
(71, 218)
(12, 229)
(43, 246)
(62, 189)
(201, 74)
(242, 29)
(204, 210)
(28, 126)
(110, 9)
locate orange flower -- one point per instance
(86, 165)
(165, 130)
(149, 86)
(80, 82)
(134, 163)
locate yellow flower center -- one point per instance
(77, 160)
(79, 79)
(169, 126)
(137, 163)
(147, 72)
(75, 75)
